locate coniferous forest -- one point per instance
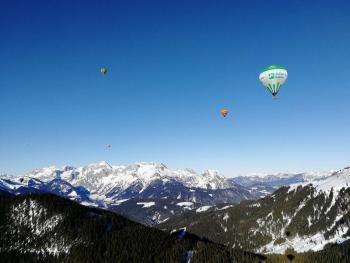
(47, 228)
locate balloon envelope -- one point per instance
(103, 71)
(273, 77)
(224, 112)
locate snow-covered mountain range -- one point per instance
(123, 188)
(102, 177)
(120, 188)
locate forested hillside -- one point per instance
(47, 228)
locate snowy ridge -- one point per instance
(111, 187)
(336, 181)
(334, 189)
(102, 177)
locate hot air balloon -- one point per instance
(224, 112)
(103, 71)
(273, 77)
(108, 145)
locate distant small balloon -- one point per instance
(103, 71)
(224, 112)
(109, 146)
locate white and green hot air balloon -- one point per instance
(273, 77)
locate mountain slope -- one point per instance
(48, 228)
(302, 217)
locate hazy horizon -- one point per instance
(199, 171)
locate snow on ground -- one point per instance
(331, 205)
(265, 192)
(146, 204)
(118, 202)
(225, 207)
(309, 221)
(185, 204)
(203, 208)
(336, 181)
(304, 244)
(317, 241)
(29, 214)
(226, 217)
(73, 194)
(164, 220)
(86, 203)
(223, 227)
(34, 217)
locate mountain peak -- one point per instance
(67, 168)
(98, 167)
(104, 163)
(345, 171)
(211, 172)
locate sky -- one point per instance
(172, 65)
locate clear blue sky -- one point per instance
(172, 66)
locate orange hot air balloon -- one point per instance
(224, 112)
